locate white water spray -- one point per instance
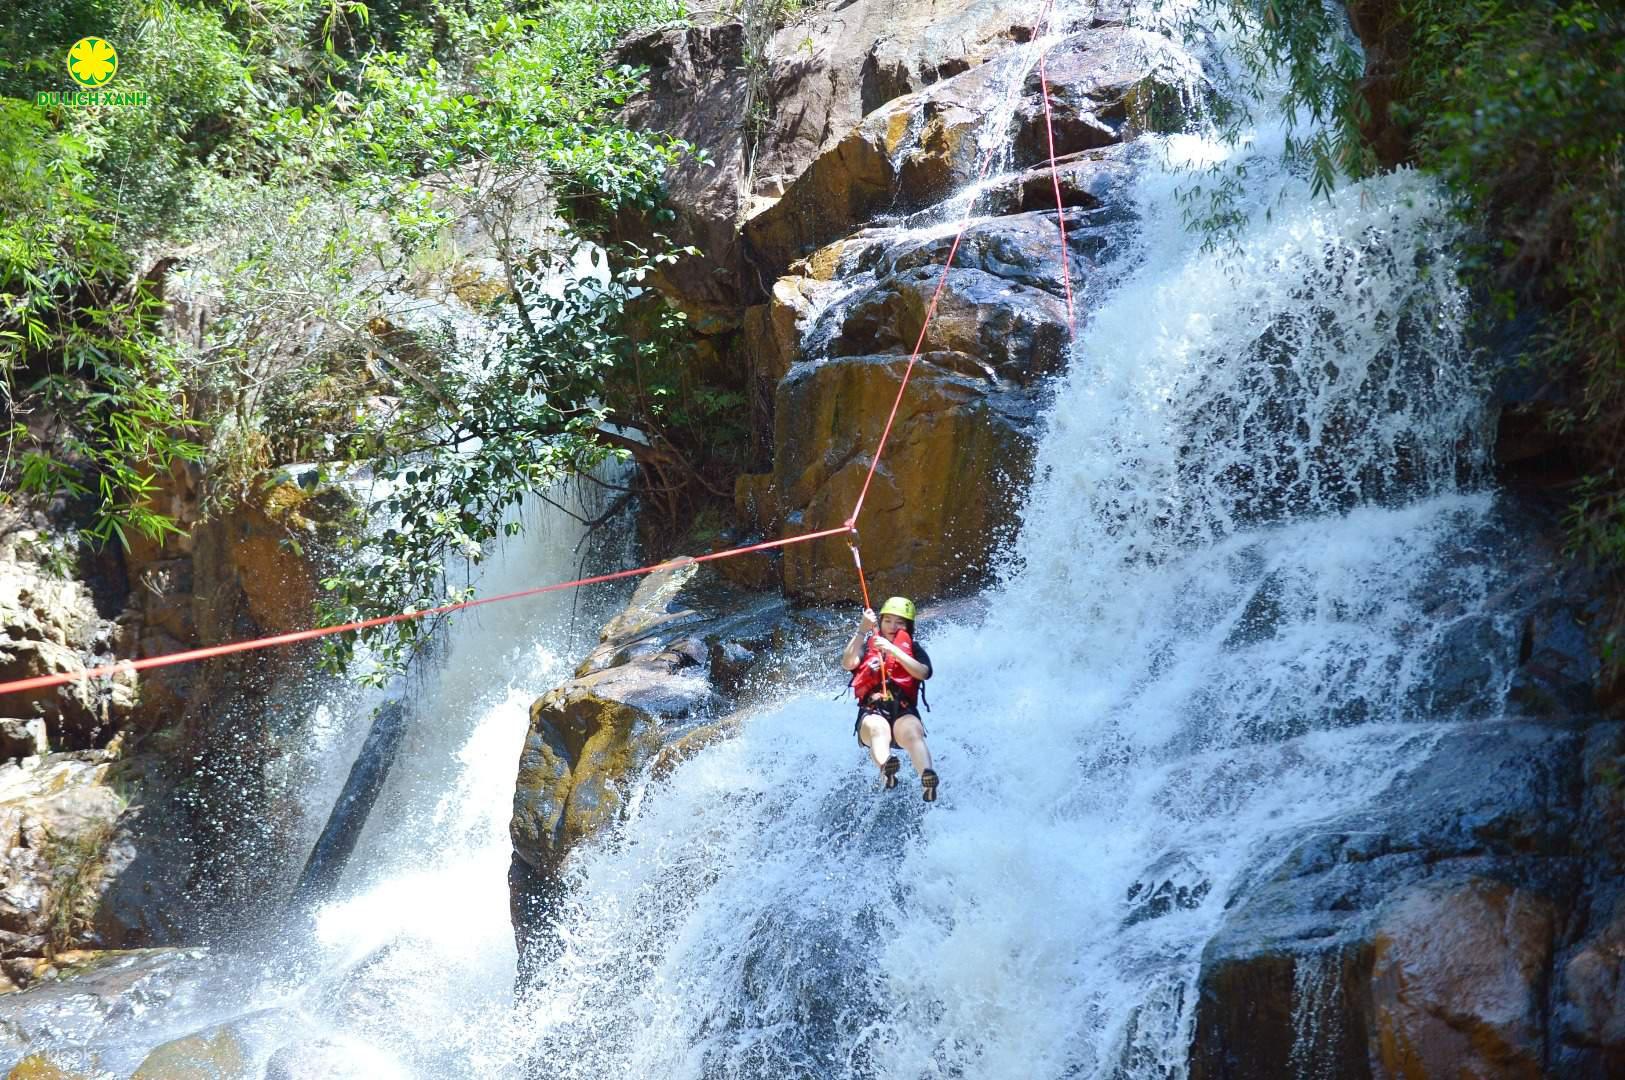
(1249, 543)
(1251, 538)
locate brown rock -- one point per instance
(581, 747)
(773, 330)
(944, 499)
(1459, 980)
(217, 1055)
(176, 495)
(593, 735)
(829, 71)
(920, 148)
(40, 1067)
(1010, 330)
(1593, 987)
(697, 93)
(23, 738)
(1384, 32)
(80, 866)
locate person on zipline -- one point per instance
(888, 669)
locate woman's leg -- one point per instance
(910, 735)
(875, 733)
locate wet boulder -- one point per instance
(662, 682)
(219, 1054)
(1458, 981)
(1588, 1012)
(1013, 331)
(1418, 932)
(944, 499)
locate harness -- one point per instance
(873, 673)
(886, 688)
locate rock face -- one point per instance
(943, 502)
(1458, 981)
(99, 849)
(663, 681)
(945, 495)
(1462, 926)
(920, 149)
(697, 92)
(1442, 935)
(86, 864)
(825, 224)
(50, 625)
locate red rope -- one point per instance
(42, 682)
(857, 561)
(931, 309)
(1055, 181)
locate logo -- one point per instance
(92, 62)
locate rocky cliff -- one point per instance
(1470, 925)
(135, 812)
(823, 223)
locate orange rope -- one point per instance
(42, 682)
(1055, 181)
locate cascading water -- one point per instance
(395, 974)
(1252, 536)
(1256, 528)
(405, 966)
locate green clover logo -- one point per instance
(92, 62)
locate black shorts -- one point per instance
(891, 708)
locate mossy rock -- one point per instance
(40, 1067)
(580, 750)
(217, 1055)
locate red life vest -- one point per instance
(867, 677)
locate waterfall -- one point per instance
(400, 970)
(1259, 523)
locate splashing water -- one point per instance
(399, 973)
(1255, 528)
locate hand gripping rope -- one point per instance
(849, 528)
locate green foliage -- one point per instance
(91, 387)
(563, 364)
(1517, 106)
(306, 163)
(1297, 57)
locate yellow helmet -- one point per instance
(900, 606)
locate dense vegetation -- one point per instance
(300, 169)
(303, 164)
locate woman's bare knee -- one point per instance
(908, 729)
(875, 731)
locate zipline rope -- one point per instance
(1055, 182)
(849, 527)
(987, 159)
